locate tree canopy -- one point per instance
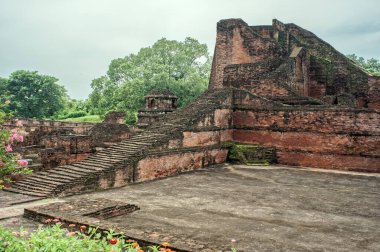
(370, 65)
(181, 67)
(33, 95)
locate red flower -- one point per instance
(83, 228)
(113, 241)
(165, 244)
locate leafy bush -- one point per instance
(9, 165)
(56, 238)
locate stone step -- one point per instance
(34, 189)
(30, 183)
(44, 180)
(25, 192)
(63, 177)
(65, 173)
(84, 168)
(114, 154)
(90, 163)
(71, 171)
(129, 146)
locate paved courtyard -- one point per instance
(274, 208)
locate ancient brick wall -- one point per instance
(309, 66)
(237, 43)
(326, 138)
(62, 150)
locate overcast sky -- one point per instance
(75, 40)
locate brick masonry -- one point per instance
(279, 86)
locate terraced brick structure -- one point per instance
(157, 103)
(276, 86)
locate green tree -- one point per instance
(4, 95)
(370, 65)
(181, 67)
(35, 95)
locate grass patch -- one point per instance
(87, 118)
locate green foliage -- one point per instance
(73, 108)
(56, 238)
(370, 65)
(181, 67)
(87, 118)
(4, 94)
(33, 95)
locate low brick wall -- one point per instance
(154, 167)
(345, 139)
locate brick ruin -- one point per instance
(157, 103)
(277, 86)
(49, 143)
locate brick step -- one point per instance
(25, 192)
(112, 154)
(39, 190)
(90, 163)
(57, 176)
(71, 171)
(124, 149)
(40, 177)
(65, 173)
(44, 180)
(29, 183)
(85, 168)
(131, 145)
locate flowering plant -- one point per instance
(10, 164)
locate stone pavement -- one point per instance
(271, 208)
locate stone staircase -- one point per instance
(182, 119)
(51, 182)
(55, 181)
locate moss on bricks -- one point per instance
(250, 154)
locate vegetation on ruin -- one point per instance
(371, 65)
(181, 67)
(250, 154)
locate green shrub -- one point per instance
(55, 238)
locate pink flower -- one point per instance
(17, 137)
(8, 148)
(22, 162)
(233, 241)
